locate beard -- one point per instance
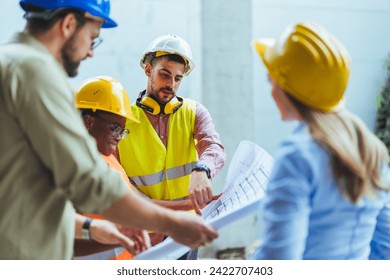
(162, 97)
(70, 65)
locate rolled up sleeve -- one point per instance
(57, 135)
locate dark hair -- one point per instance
(94, 113)
(38, 25)
(87, 112)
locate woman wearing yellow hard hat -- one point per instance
(327, 197)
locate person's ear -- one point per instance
(68, 25)
(148, 70)
(88, 121)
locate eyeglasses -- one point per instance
(116, 129)
(96, 42)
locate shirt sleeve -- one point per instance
(208, 143)
(46, 112)
(286, 209)
(380, 244)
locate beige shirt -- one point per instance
(49, 164)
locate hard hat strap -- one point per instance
(45, 15)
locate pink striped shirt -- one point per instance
(210, 150)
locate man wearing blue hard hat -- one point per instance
(50, 165)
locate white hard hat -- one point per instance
(169, 44)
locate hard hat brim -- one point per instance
(261, 45)
(108, 22)
(132, 118)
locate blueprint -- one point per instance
(246, 180)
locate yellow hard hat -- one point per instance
(106, 94)
(309, 64)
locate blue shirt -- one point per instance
(307, 217)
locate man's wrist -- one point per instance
(202, 167)
(86, 229)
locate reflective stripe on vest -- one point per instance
(161, 172)
(158, 177)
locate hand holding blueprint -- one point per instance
(245, 182)
(245, 185)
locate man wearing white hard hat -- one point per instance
(177, 150)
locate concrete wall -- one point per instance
(360, 25)
(229, 78)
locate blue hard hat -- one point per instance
(97, 8)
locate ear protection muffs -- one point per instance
(149, 103)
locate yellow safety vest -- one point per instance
(161, 172)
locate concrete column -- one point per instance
(227, 71)
(227, 91)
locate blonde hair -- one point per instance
(358, 156)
